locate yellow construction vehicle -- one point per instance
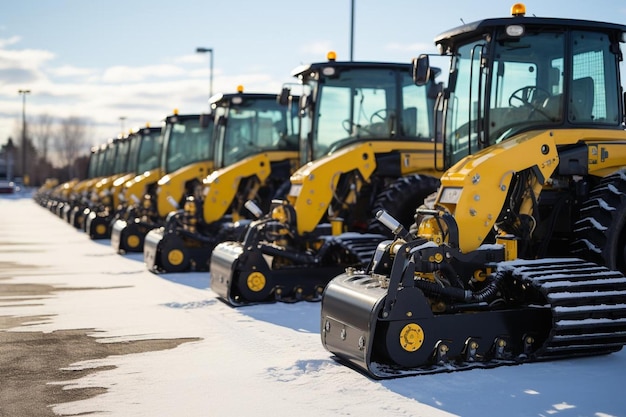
(73, 190)
(366, 143)
(105, 197)
(256, 150)
(520, 257)
(61, 193)
(149, 171)
(118, 168)
(42, 194)
(76, 210)
(59, 196)
(186, 158)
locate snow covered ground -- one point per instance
(264, 360)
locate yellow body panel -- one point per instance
(84, 185)
(171, 187)
(220, 187)
(49, 184)
(118, 185)
(135, 188)
(63, 191)
(606, 148)
(105, 183)
(313, 185)
(474, 190)
(105, 187)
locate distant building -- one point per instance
(7, 158)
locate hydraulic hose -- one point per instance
(486, 294)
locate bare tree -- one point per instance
(71, 141)
(42, 132)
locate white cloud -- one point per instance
(25, 58)
(196, 58)
(10, 41)
(124, 74)
(140, 94)
(71, 71)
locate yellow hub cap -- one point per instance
(133, 241)
(256, 281)
(411, 337)
(175, 257)
(101, 229)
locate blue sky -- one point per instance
(136, 58)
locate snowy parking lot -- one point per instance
(84, 330)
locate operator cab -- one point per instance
(510, 75)
(348, 102)
(252, 123)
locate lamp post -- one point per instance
(210, 51)
(23, 94)
(351, 30)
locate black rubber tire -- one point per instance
(600, 233)
(250, 296)
(282, 191)
(172, 245)
(401, 199)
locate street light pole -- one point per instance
(122, 118)
(210, 51)
(351, 30)
(24, 175)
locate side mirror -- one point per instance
(420, 69)
(205, 119)
(283, 97)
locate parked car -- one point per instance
(7, 187)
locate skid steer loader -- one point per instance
(186, 158)
(366, 143)
(79, 196)
(118, 168)
(60, 194)
(63, 194)
(42, 194)
(520, 257)
(105, 198)
(256, 150)
(149, 171)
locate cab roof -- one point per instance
(452, 36)
(318, 66)
(219, 99)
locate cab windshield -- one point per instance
(256, 125)
(187, 142)
(92, 169)
(510, 85)
(133, 152)
(149, 151)
(367, 104)
(108, 160)
(99, 168)
(121, 159)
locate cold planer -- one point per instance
(386, 323)
(256, 150)
(519, 257)
(376, 151)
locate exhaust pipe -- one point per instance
(254, 209)
(392, 224)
